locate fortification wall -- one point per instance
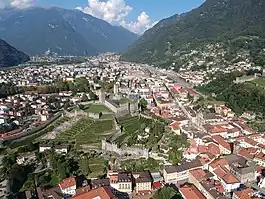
(106, 146)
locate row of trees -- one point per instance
(79, 85)
(141, 165)
(7, 89)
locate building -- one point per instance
(116, 89)
(243, 170)
(121, 181)
(26, 159)
(246, 193)
(189, 191)
(102, 97)
(179, 174)
(209, 118)
(47, 193)
(227, 179)
(61, 149)
(122, 107)
(98, 193)
(44, 147)
(68, 186)
(142, 182)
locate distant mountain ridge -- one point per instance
(38, 30)
(214, 21)
(9, 56)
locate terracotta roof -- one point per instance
(199, 174)
(101, 192)
(221, 141)
(259, 169)
(226, 176)
(174, 125)
(191, 192)
(68, 182)
(260, 155)
(245, 153)
(219, 162)
(247, 193)
(214, 149)
(251, 141)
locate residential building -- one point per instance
(98, 193)
(121, 181)
(68, 186)
(61, 149)
(244, 171)
(189, 191)
(45, 147)
(142, 182)
(179, 174)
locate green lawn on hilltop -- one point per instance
(96, 108)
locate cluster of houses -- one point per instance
(20, 114)
(116, 184)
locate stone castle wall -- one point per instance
(106, 146)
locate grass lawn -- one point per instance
(88, 132)
(96, 108)
(131, 127)
(259, 81)
(97, 167)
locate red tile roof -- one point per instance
(251, 141)
(101, 192)
(247, 193)
(220, 140)
(214, 149)
(226, 176)
(157, 185)
(199, 174)
(245, 153)
(219, 162)
(174, 125)
(67, 183)
(191, 192)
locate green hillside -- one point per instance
(234, 24)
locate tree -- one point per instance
(84, 165)
(62, 170)
(143, 104)
(84, 98)
(82, 84)
(92, 95)
(167, 192)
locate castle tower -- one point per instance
(116, 89)
(102, 96)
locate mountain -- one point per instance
(38, 30)
(9, 56)
(228, 23)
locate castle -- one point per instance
(120, 106)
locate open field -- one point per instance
(87, 133)
(96, 108)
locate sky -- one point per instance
(135, 15)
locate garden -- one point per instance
(140, 131)
(87, 133)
